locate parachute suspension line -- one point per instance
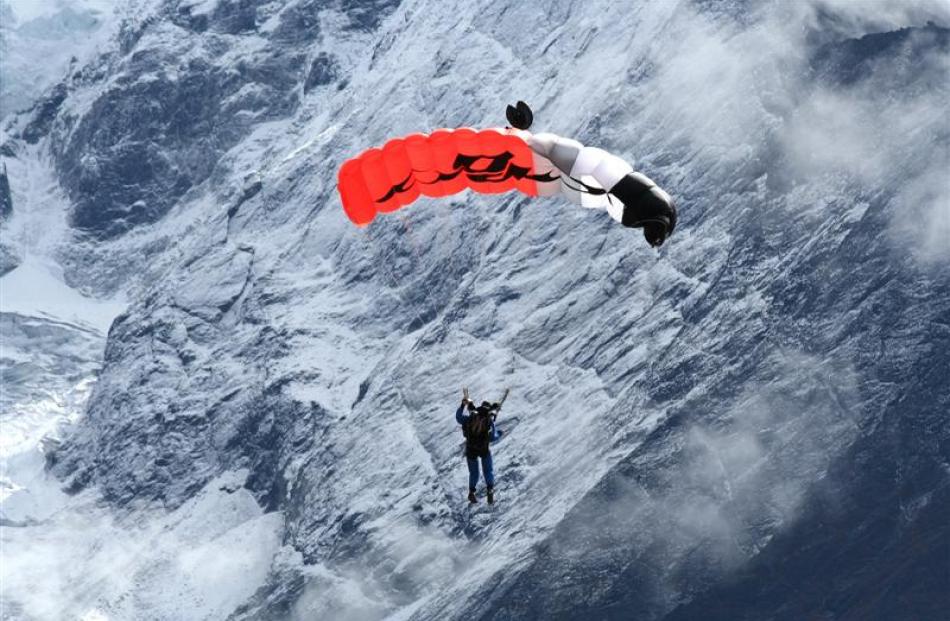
(394, 281)
(407, 226)
(395, 285)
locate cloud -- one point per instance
(710, 496)
(200, 561)
(736, 94)
(923, 203)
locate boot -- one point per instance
(471, 496)
(491, 495)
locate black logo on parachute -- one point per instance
(477, 168)
(487, 169)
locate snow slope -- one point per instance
(41, 39)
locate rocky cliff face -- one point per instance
(764, 397)
(8, 258)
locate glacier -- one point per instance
(222, 400)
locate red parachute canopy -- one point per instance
(442, 163)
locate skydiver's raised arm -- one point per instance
(460, 415)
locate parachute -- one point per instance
(494, 160)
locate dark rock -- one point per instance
(234, 16)
(852, 60)
(8, 259)
(300, 23)
(6, 199)
(367, 14)
(323, 70)
(183, 17)
(143, 144)
(44, 113)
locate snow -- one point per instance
(36, 289)
(41, 40)
(26, 424)
(199, 7)
(38, 231)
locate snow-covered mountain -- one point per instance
(41, 39)
(748, 424)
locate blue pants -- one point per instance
(486, 469)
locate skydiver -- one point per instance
(478, 427)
